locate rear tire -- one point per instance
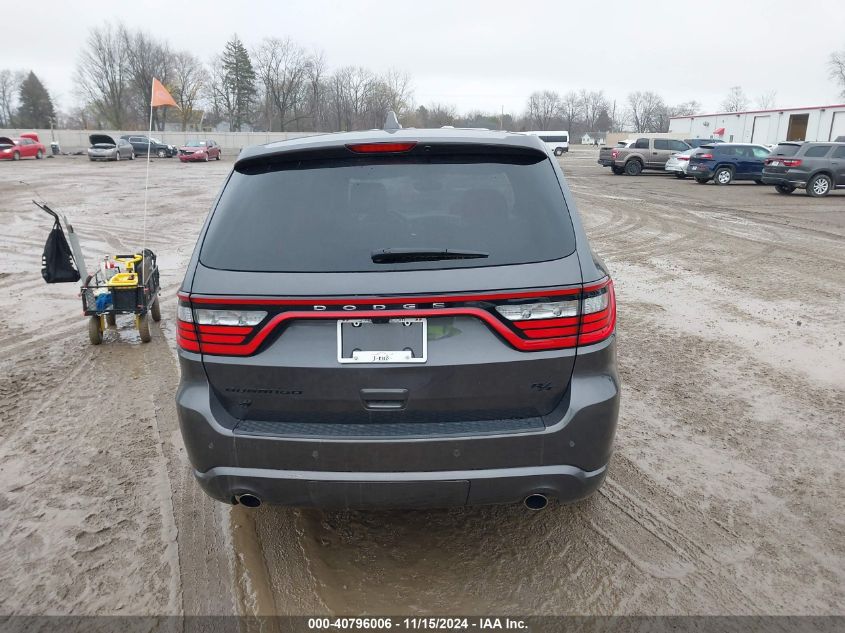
(117, 155)
(132, 156)
(759, 182)
(702, 181)
(161, 153)
(39, 155)
(558, 152)
(218, 155)
(784, 189)
(723, 176)
(617, 171)
(633, 168)
(819, 186)
(155, 310)
(16, 156)
(680, 175)
(95, 330)
(143, 323)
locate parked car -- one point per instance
(726, 162)
(644, 153)
(156, 148)
(678, 163)
(698, 142)
(199, 150)
(818, 168)
(407, 317)
(23, 147)
(104, 147)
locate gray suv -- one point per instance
(818, 168)
(403, 317)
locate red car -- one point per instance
(199, 150)
(27, 146)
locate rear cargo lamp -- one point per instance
(229, 317)
(381, 148)
(529, 311)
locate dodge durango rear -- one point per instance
(403, 318)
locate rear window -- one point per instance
(331, 215)
(554, 139)
(786, 149)
(817, 151)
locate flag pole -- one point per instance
(147, 178)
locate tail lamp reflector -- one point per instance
(217, 327)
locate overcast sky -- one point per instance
(482, 54)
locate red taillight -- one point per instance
(786, 162)
(594, 322)
(614, 153)
(705, 156)
(381, 148)
(682, 157)
(202, 330)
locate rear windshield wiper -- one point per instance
(393, 255)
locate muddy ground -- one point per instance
(724, 495)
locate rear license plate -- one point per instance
(395, 341)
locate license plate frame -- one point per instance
(417, 339)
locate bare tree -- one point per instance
(836, 66)
(571, 110)
(147, 58)
(543, 107)
(736, 101)
(190, 79)
(9, 85)
(102, 74)
(592, 105)
(646, 111)
(766, 101)
(283, 68)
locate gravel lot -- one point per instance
(724, 495)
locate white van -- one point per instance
(557, 141)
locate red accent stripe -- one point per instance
(225, 329)
(553, 331)
(220, 338)
(186, 344)
(541, 323)
(310, 301)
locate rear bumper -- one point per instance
(782, 179)
(185, 158)
(400, 489)
(605, 162)
(699, 171)
(565, 457)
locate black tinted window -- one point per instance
(661, 143)
(642, 143)
(678, 146)
(818, 151)
(554, 139)
(331, 215)
(786, 149)
(840, 152)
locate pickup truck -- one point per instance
(631, 156)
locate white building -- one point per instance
(586, 139)
(819, 123)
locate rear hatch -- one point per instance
(782, 159)
(471, 245)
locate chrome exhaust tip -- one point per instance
(248, 500)
(536, 502)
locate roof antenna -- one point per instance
(391, 123)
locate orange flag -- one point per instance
(160, 95)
